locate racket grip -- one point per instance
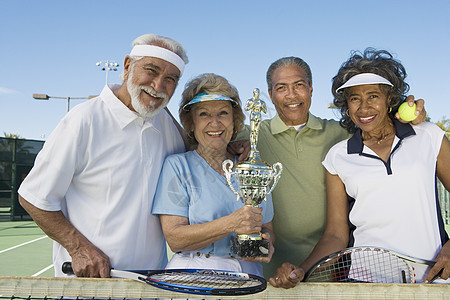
(67, 268)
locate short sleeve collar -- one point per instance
(122, 114)
(277, 125)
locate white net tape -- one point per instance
(42, 288)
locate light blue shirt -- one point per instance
(190, 188)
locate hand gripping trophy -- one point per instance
(253, 177)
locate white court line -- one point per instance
(23, 244)
(42, 271)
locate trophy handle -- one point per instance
(227, 167)
(277, 169)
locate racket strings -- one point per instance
(379, 267)
(204, 281)
(363, 266)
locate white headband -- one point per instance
(364, 78)
(159, 52)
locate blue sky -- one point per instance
(51, 47)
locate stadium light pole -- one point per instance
(47, 97)
(107, 65)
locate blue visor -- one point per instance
(203, 97)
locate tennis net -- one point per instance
(59, 288)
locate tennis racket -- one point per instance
(193, 281)
(368, 264)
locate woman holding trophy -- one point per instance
(198, 211)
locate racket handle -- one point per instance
(67, 268)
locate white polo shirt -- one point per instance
(393, 205)
(100, 166)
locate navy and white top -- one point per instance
(393, 204)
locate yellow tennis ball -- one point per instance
(406, 112)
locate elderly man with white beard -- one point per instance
(92, 186)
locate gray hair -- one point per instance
(287, 61)
(161, 41)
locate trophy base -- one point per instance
(249, 247)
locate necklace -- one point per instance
(377, 140)
(380, 140)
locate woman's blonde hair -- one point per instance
(213, 84)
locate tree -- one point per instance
(445, 125)
(12, 135)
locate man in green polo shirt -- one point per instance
(300, 141)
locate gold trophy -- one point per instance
(253, 179)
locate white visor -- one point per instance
(364, 78)
(159, 52)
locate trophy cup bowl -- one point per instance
(253, 179)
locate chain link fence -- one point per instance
(16, 160)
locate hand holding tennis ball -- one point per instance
(406, 112)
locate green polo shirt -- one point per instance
(299, 199)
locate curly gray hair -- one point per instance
(379, 62)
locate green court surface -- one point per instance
(24, 250)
